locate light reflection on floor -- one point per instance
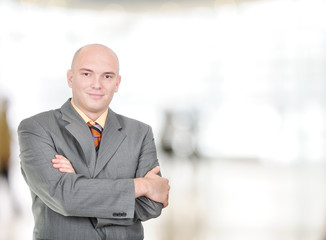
(227, 200)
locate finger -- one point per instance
(56, 160)
(61, 160)
(55, 165)
(66, 170)
(59, 156)
(58, 165)
(156, 170)
(62, 164)
(165, 204)
(63, 168)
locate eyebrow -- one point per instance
(112, 73)
(85, 69)
(90, 70)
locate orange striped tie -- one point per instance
(96, 131)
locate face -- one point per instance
(94, 78)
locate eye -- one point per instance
(107, 76)
(86, 74)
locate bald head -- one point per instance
(94, 49)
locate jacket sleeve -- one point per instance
(145, 208)
(65, 193)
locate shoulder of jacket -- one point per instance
(41, 117)
(131, 122)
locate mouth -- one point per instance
(95, 95)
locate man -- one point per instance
(85, 184)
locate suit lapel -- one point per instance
(77, 127)
(112, 137)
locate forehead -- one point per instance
(97, 59)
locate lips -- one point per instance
(95, 95)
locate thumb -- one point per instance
(156, 170)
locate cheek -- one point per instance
(110, 88)
(80, 84)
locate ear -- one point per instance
(117, 84)
(69, 78)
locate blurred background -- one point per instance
(235, 91)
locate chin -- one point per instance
(98, 107)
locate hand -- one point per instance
(153, 187)
(159, 187)
(62, 164)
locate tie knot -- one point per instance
(95, 125)
(96, 131)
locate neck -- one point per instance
(88, 115)
(93, 116)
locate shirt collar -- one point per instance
(101, 120)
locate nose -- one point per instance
(96, 83)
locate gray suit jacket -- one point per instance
(99, 201)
